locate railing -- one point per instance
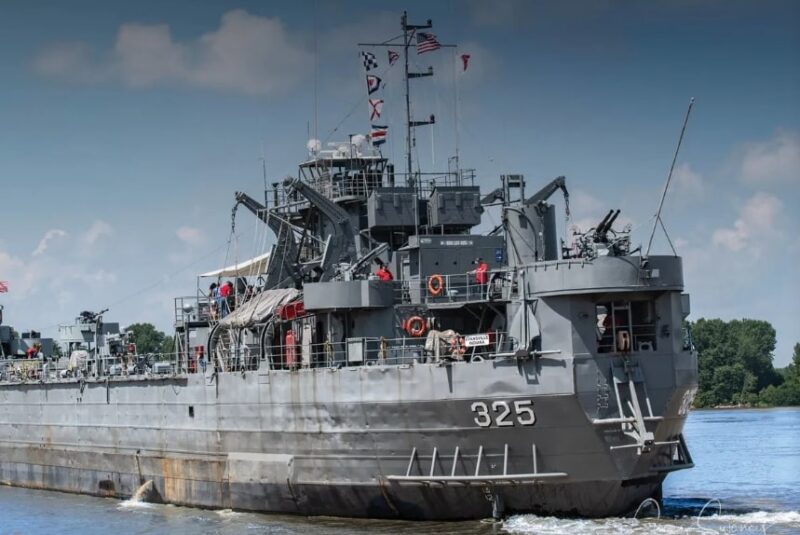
(190, 309)
(228, 357)
(437, 347)
(445, 290)
(63, 369)
(361, 184)
(643, 337)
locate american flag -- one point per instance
(426, 42)
(3, 287)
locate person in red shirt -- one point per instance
(482, 272)
(482, 276)
(225, 291)
(383, 272)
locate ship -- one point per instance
(488, 374)
(16, 345)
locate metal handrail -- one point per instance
(502, 285)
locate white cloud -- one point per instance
(771, 161)
(587, 211)
(46, 239)
(756, 219)
(97, 230)
(190, 235)
(247, 53)
(584, 203)
(689, 184)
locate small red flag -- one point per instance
(465, 60)
(3, 287)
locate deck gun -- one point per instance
(601, 230)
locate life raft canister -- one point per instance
(415, 326)
(435, 284)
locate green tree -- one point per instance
(788, 392)
(148, 339)
(734, 360)
(168, 345)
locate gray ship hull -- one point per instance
(371, 441)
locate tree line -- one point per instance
(735, 365)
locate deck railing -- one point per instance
(353, 352)
(444, 290)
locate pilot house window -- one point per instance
(624, 326)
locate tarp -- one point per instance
(254, 266)
(259, 307)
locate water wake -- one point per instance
(741, 523)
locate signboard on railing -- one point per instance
(476, 340)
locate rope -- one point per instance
(358, 103)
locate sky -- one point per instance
(126, 128)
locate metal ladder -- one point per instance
(432, 477)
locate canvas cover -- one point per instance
(259, 307)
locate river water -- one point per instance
(746, 480)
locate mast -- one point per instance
(409, 30)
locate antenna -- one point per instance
(409, 31)
(666, 187)
(264, 175)
(316, 73)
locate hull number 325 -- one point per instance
(504, 413)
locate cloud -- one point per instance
(585, 204)
(45, 241)
(587, 211)
(689, 184)
(772, 161)
(190, 235)
(247, 54)
(756, 218)
(97, 230)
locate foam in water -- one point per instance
(144, 494)
(750, 522)
(790, 518)
(228, 513)
(134, 504)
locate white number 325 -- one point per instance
(523, 411)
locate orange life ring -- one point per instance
(438, 288)
(415, 326)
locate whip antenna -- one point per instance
(666, 186)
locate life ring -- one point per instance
(415, 326)
(435, 285)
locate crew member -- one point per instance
(383, 272)
(213, 294)
(224, 295)
(482, 275)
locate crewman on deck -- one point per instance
(481, 275)
(383, 272)
(224, 295)
(213, 294)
